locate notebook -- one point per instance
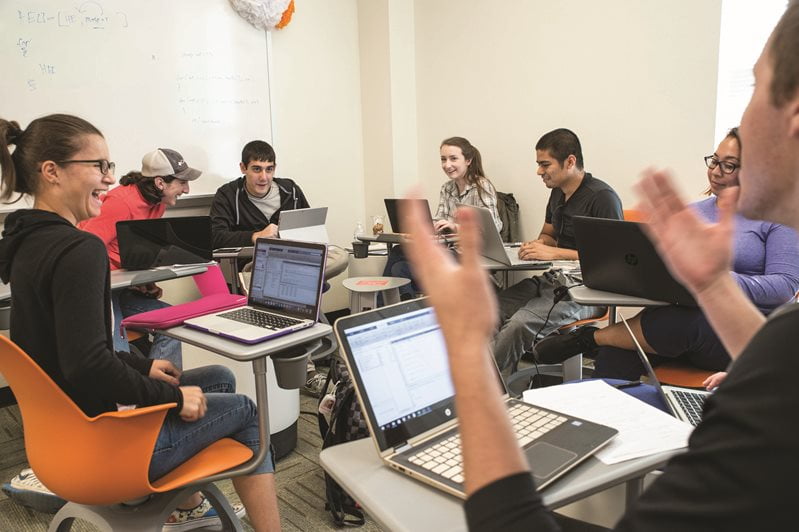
(307, 225)
(684, 403)
(284, 296)
(398, 362)
(495, 249)
(145, 244)
(616, 256)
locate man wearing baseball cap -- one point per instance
(144, 195)
(164, 162)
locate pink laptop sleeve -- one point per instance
(173, 316)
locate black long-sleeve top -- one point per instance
(741, 469)
(61, 314)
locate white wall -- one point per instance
(635, 80)
(317, 115)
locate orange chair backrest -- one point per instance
(101, 460)
(633, 215)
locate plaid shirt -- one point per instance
(449, 197)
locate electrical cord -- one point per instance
(560, 293)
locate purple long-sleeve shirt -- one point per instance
(765, 259)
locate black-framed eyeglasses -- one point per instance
(103, 164)
(726, 166)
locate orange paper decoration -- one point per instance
(286, 18)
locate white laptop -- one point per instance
(306, 225)
(495, 249)
(400, 370)
(684, 403)
(284, 296)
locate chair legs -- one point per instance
(148, 516)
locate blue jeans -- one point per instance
(229, 415)
(526, 309)
(397, 265)
(128, 303)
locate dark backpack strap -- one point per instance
(341, 506)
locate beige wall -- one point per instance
(317, 114)
(635, 80)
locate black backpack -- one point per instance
(508, 210)
(347, 423)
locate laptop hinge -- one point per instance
(402, 448)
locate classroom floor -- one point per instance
(300, 480)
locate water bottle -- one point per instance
(358, 231)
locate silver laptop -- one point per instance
(306, 225)
(495, 249)
(284, 296)
(684, 403)
(400, 370)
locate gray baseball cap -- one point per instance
(165, 162)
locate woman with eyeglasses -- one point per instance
(61, 313)
(766, 266)
(143, 195)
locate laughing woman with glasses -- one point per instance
(61, 313)
(766, 267)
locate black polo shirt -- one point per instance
(593, 198)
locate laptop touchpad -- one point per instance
(544, 458)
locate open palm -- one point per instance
(696, 253)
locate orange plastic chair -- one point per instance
(633, 215)
(681, 374)
(104, 460)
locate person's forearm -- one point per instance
(489, 446)
(547, 240)
(731, 314)
(567, 254)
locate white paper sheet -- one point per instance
(643, 429)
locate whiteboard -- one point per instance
(184, 74)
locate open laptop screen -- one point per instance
(393, 209)
(145, 244)
(287, 277)
(400, 362)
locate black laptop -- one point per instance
(616, 256)
(145, 244)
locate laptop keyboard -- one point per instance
(260, 319)
(444, 457)
(691, 404)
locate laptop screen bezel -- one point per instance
(443, 412)
(319, 281)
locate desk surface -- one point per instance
(588, 296)
(240, 351)
(125, 278)
(399, 502)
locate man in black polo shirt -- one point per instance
(524, 306)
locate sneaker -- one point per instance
(201, 516)
(27, 490)
(556, 348)
(314, 384)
